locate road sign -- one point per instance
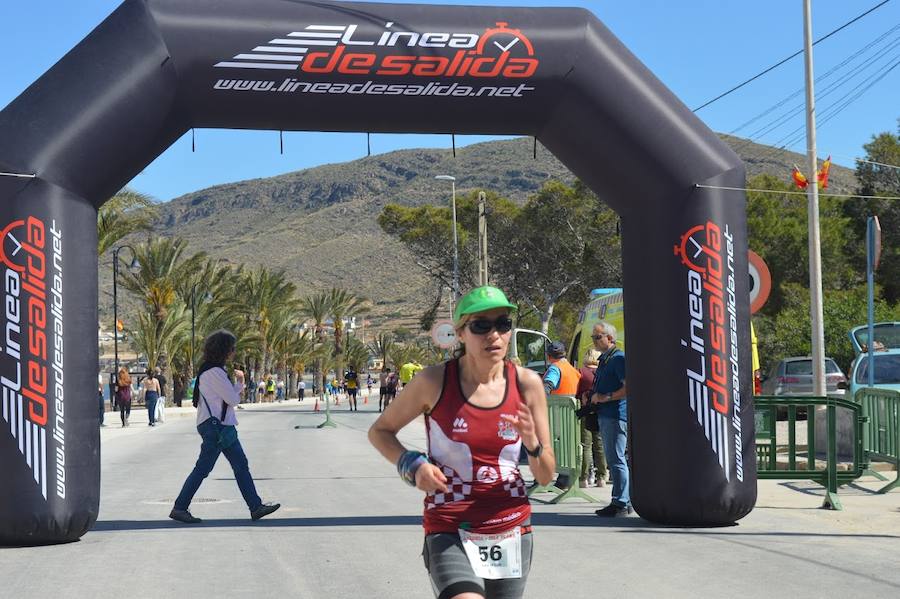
(760, 282)
(443, 334)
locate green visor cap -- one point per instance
(481, 299)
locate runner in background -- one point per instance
(383, 387)
(479, 410)
(351, 382)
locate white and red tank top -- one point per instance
(478, 452)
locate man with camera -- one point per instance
(610, 396)
(591, 447)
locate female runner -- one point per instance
(479, 410)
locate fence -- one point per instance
(881, 433)
(829, 477)
(565, 432)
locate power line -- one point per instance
(827, 90)
(883, 68)
(840, 104)
(819, 79)
(794, 55)
(795, 193)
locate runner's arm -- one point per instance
(416, 398)
(533, 424)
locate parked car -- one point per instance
(794, 376)
(887, 371)
(887, 357)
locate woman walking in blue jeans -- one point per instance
(151, 395)
(215, 397)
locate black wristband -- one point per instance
(537, 450)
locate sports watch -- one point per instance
(537, 450)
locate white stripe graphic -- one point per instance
(719, 437)
(313, 35)
(44, 463)
(6, 404)
(28, 446)
(257, 65)
(12, 413)
(280, 49)
(21, 450)
(713, 425)
(303, 42)
(706, 415)
(726, 464)
(268, 57)
(37, 455)
(326, 27)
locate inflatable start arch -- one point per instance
(156, 68)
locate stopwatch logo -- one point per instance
(698, 246)
(505, 39)
(11, 253)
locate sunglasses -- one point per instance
(596, 337)
(483, 326)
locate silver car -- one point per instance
(793, 376)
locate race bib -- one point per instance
(494, 556)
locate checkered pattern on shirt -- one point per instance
(457, 490)
(515, 485)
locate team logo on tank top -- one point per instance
(506, 431)
(487, 474)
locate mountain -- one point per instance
(319, 224)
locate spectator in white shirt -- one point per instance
(215, 397)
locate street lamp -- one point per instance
(455, 242)
(134, 265)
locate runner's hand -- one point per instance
(429, 478)
(523, 422)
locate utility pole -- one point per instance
(815, 249)
(482, 241)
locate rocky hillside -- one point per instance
(319, 224)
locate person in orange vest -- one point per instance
(561, 377)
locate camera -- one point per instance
(586, 410)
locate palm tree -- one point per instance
(299, 349)
(264, 294)
(381, 346)
(357, 354)
(317, 307)
(344, 304)
(156, 339)
(162, 266)
(401, 353)
(126, 212)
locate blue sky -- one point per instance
(698, 48)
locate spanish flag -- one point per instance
(799, 178)
(822, 175)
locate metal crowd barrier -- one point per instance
(881, 433)
(767, 446)
(565, 432)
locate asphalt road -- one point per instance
(350, 528)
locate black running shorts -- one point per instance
(451, 574)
